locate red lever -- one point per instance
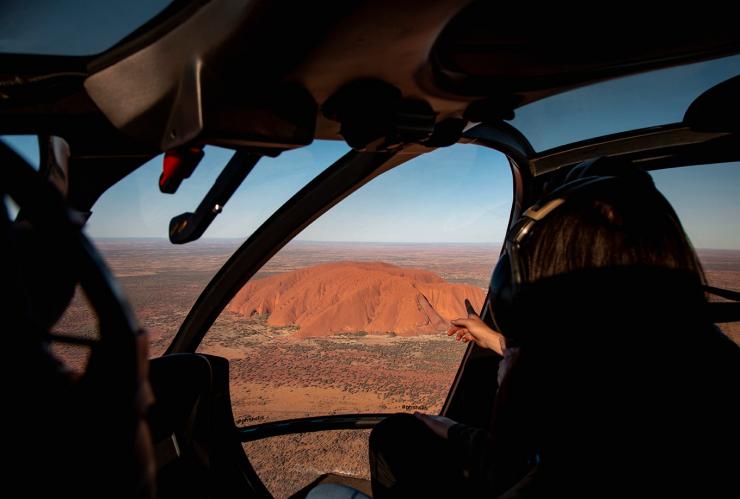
(178, 165)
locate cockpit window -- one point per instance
(351, 316)
(71, 27)
(129, 225)
(25, 145)
(705, 199)
(28, 147)
(649, 99)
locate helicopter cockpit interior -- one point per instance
(235, 232)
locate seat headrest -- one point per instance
(588, 303)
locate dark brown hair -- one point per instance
(614, 227)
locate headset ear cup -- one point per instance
(502, 293)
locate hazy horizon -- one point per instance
(312, 241)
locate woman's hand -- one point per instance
(440, 425)
(474, 329)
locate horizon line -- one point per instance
(164, 238)
(311, 241)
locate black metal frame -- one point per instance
(510, 141)
(644, 144)
(349, 173)
(309, 425)
(188, 227)
(346, 175)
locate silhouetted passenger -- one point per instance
(70, 434)
(616, 383)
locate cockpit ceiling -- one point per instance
(258, 72)
(479, 53)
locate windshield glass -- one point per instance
(649, 99)
(65, 27)
(351, 316)
(705, 199)
(129, 225)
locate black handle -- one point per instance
(188, 227)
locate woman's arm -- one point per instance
(474, 329)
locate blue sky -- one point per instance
(457, 194)
(643, 100)
(76, 27)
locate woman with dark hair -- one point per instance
(615, 382)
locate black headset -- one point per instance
(588, 178)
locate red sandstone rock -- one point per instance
(373, 297)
